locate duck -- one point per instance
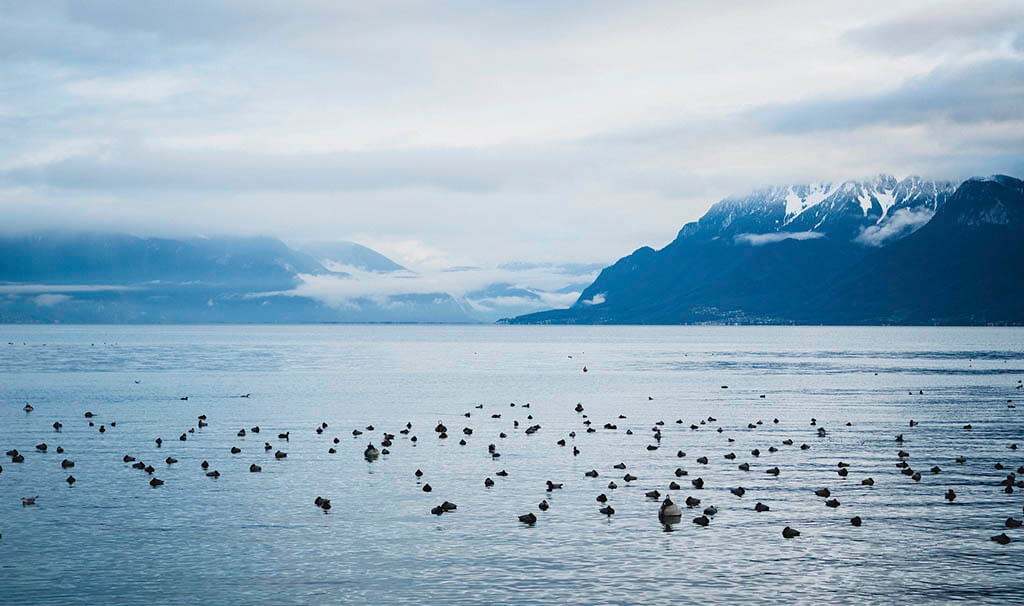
(823, 492)
(833, 503)
(254, 468)
(1001, 538)
(1013, 523)
(213, 474)
(652, 494)
(235, 450)
(702, 520)
(26, 501)
(543, 505)
(70, 480)
(371, 452)
(528, 518)
(607, 510)
(156, 482)
(759, 507)
(856, 521)
(280, 454)
(67, 463)
(790, 533)
(698, 483)
(774, 471)
(680, 472)
(488, 482)
(738, 491)
(170, 460)
(427, 488)
(867, 482)
(950, 495)
(692, 502)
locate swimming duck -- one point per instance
(1001, 538)
(529, 518)
(543, 505)
(371, 452)
(254, 468)
(698, 483)
(738, 491)
(607, 510)
(65, 464)
(156, 482)
(790, 533)
(833, 503)
(26, 501)
(70, 480)
(692, 502)
(280, 454)
(867, 482)
(823, 492)
(702, 520)
(761, 507)
(855, 521)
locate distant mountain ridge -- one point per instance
(859, 252)
(63, 276)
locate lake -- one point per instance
(258, 537)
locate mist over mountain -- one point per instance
(857, 252)
(62, 276)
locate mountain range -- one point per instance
(881, 251)
(70, 277)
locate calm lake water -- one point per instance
(258, 538)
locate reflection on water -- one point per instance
(258, 537)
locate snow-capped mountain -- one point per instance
(857, 252)
(874, 210)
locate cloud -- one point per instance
(950, 27)
(595, 300)
(537, 284)
(61, 288)
(900, 223)
(49, 300)
(772, 238)
(487, 130)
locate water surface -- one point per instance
(245, 537)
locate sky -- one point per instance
(478, 133)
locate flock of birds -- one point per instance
(670, 511)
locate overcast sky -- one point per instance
(479, 132)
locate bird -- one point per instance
(950, 495)
(543, 505)
(761, 507)
(371, 452)
(702, 520)
(26, 501)
(790, 533)
(529, 518)
(855, 521)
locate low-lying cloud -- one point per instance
(485, 290)
(772, 238)
(900, 223)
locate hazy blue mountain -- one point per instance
(98, 258)
(881, 251)
(349, 253)
(116, 278)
